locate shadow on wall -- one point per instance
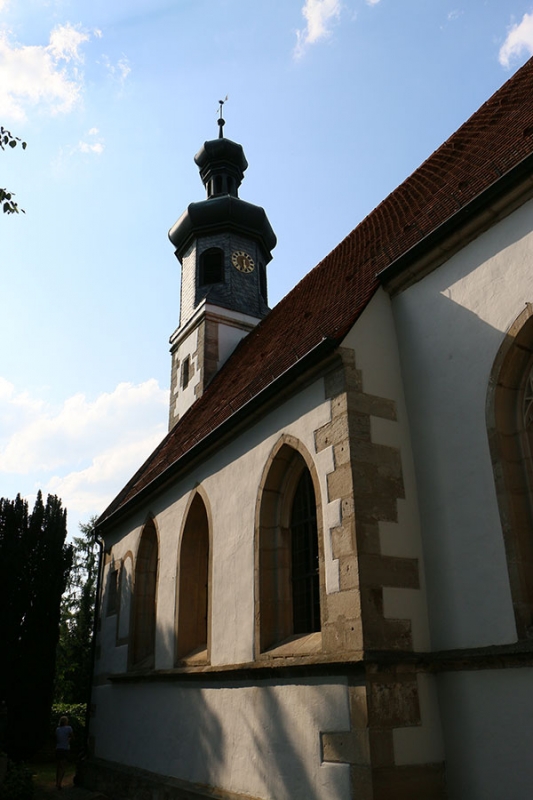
(280, 741)
(447, 352)
(261, 739)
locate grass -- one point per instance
(43, 768)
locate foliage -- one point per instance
(18, 783)
(74, 651)
(34, 567)
(6, 198)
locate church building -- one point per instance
(319, 586)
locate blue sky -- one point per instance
(335, 104)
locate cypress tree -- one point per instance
(34, 567)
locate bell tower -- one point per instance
(223, 245)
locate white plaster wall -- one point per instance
(230, 480)
(184, 398)
(229, 337)
(450, 326)
(373, 338)
(488, 733)
(262, 740)
(124, 541)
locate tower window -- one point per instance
(263, 282)
(185, 372)
(211, 266)
(218, 184)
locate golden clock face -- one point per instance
(242, 261)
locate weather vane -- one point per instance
(221, 121)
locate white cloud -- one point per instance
(119, 71)
(96, 147)
(90, 490)
(88, 147)
(43, 76)
(372, 2)
(519, 40)
(84, 451)
(319, 16)
(65, 42)
(453, 15)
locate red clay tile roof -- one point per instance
(327, 302)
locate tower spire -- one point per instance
(223, 245)
(221, 121)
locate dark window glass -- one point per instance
(218, 184)
(304, 553)
(211, 266)
(185, 369)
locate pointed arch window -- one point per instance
(144, 599)
(288, 553)
(510, 429)
(193, 587)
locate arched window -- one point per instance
(193, 586)
(510, 428)
(288, 551)
(211, 266)
(144, 599)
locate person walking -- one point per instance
(64, 734)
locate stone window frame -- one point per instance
(143, 636)
(194, 656)
(511, 453)
(273, 620)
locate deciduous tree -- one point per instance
(74, 650)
